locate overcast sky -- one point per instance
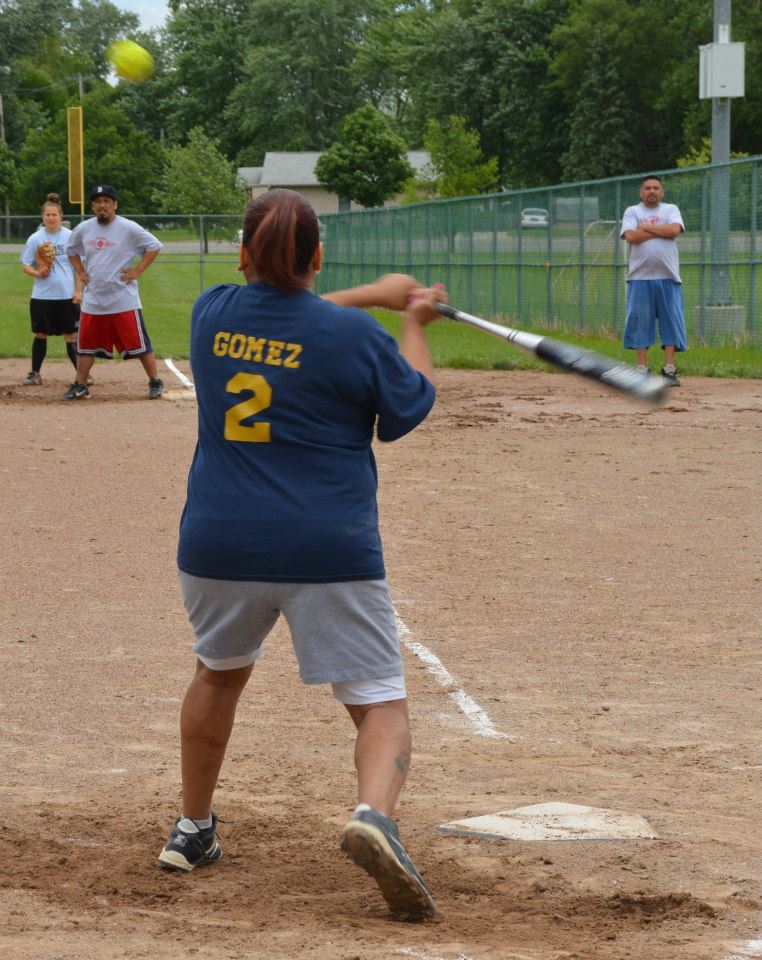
(151, 12)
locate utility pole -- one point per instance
(719, 283)
(721, 77)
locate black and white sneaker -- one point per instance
(32, 379)
(155, 388)
(77, 391)
(189, 847)
(372, 840)
(671, 378)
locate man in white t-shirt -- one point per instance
(102, 250)
(654, 287)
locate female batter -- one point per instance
(281, 517)
(56, 291)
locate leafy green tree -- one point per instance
(603, 127)
(458, 163)
(7, 173)
(92, 26)
(24, 23)
(202, 60)
(296, 84)
(488, 61)
(653, 45)
(368, 162)
(115, 152)
(198, 178)
(702, 154)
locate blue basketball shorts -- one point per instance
(650, 302)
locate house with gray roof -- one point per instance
(296, 171)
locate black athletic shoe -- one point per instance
(372, 840)
(155, 388)
(77, 391)
(671, 378)
(32, 379)
(189, 847)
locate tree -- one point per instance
(115, 152)
(602, 125)
(7, 173)
(458, 165)
(296, 84)
(368, 163)
(92, 26)
(489, 62)
(204, 43)
(198, 178)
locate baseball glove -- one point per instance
(46, 254)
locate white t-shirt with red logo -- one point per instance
(655, 259)
(106, 251)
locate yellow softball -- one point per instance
(131, 61)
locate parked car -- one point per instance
(534, 217)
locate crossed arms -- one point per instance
(648, 231)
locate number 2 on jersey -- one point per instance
(261, 397)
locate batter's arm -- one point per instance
(390, 292)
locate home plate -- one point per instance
(182, 394)
(554, 821)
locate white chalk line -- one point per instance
(409, 952)
(749, 950)
(179, 374)
(474, 713)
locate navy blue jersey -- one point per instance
(283, 481)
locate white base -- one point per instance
(554, 821)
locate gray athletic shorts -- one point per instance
(343, 633)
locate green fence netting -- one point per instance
(546, 258)
(553, 258)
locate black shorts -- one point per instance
(54, 317)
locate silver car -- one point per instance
(534, 217)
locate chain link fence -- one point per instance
(552, 257)
(548, 258)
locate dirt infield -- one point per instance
(585, 570)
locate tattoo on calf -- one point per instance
(402, 762)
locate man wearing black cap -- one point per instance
(101, 251)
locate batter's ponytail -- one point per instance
(281, 233)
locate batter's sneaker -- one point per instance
(671, 378)
(32, 379)
(189, 847)
(372, 840)
(77, 391)
(155, 388)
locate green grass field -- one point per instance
(169, 288)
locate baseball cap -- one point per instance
(103, 190)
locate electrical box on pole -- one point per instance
(721, 70)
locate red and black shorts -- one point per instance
(101, 333)
(54, 317)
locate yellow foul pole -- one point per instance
(76, 157)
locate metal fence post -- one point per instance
(201, 241)
(470, 268)
(702, 304)
(549, 261)
(753, 253)
(582, 257)
(519, 261)
(494, 255)
(617, 251)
